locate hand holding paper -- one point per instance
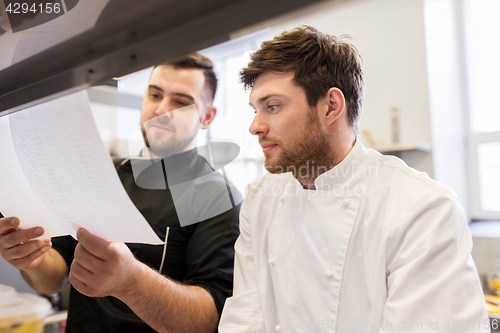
(56, 173)
(102, 268)
(18, 247)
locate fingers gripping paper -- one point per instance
(56, 173)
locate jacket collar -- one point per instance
(342, 171)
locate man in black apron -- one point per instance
(176, 287)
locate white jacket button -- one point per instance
(270, 261)
(346, 202)
(329, 273)
(277, 328)
(282, 199)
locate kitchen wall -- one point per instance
(486, 254)
(10, 276)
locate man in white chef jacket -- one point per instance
(338, 237)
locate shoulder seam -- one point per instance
(429, 182)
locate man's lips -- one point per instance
(267, 147)
(160, 127)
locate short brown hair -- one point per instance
(319, 61)
(198, 61)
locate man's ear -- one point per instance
(208, 117)
(335, 102)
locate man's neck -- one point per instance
(340, 153)
(148, 154)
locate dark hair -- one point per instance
(318, 61)
(198, 61)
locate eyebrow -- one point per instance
(191, 99)
(264, 98)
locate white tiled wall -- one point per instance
(486, 254)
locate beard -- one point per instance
(307, 156)
(166, 148)
(182, 125)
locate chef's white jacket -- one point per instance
(377, 247)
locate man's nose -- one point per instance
(163, 107)
(258, 126)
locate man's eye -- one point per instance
(181, 103)
(154, 96)
(272, 107)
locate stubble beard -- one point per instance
(166, 149)
(308, 156)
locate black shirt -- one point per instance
(200, 254)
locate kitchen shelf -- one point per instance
(111, 96)
(397, 148)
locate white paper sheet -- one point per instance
(69, 169)
(17, 198)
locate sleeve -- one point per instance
(210, 255)
(243, 312)
(65, 245)
(432, 281)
